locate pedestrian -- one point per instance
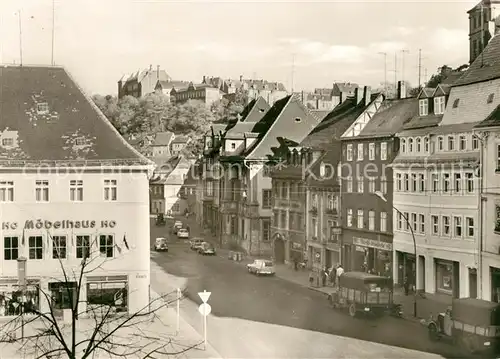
(340, 271)
(296, 264)
(311, 278)
(406, 286)
(324, 275)
(187, 227)
(332, 273)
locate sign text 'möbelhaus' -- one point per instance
(64, 224)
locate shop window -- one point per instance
(11, 299)
(42, 191)
(107, 296)
(58, 247)
(106, 245)
(110, 190)
(82, 246)
(11, 248)
(444, 277)
(35, 247)
(76, 190)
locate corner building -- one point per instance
(70, 188)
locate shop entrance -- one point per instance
(495, 284)
(63, 296)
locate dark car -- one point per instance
(160, 220)
(206, 249)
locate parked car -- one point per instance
(182, 233)
(177, 226)
(261, 267)
(161, 245)
(206, 249)
(195, 243)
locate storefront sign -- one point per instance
(370, 243)
(64, 224)
(296, 246)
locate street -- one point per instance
(237, 294)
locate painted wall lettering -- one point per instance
(64, 224)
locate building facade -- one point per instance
(204, 93)
(484, 23)
(141, 82)
(71, 191)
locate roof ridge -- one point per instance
(296, 98)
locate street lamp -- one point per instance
(382, 197)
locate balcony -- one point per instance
(229, 206)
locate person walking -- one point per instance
(340, 271)
(406, 286)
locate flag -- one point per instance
(125, 242)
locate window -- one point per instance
(418, 144)
(371, 184)
(42, 108)
(451, 143)
(469, 222)
(440, 143)
(446, 225)
(422, 182)
(284, 222)
(42, 191)
(59, 247)
(383, 221)
(400, 221)
(106, 245)
(490, 98)
(6, 191)
(233, 145)
(410, 145)
(456, 102)
(371, 151)
(361, 185)
(383, 185)
(414, 182)
(76, 190)
(314, 200)
(35, 247)
(458, 182)
(403, 145)
(439, 105)
(457, 222)
(349, 152)
(110, 190)
(423, 107)
(426, 144)
(360, 218)
(7, 142)
(371, 220)
(10, 248)
(266, 198)
(383, 151)
(421, 223)
(360, 151)
(498, 157)
(82, 246)
(406, 216)
(266, 230)
(406, 182)
(414, 223)
(435, 225)
(349, 184)
(446, 182)
(315, 227)
(462, 143)
(435, 182)
(475, 142)
(399, 184)
(349, 217)
(469, 179)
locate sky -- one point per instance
(309, 44)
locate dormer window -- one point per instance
(233, 145)
(455, 103)
(439, 105)
(7, 142)
(42, 108)
(423, 107)
(490, 98)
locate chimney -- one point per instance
(401, 89)
(358, 93)
(157, 72)
(241, 78)
(367, 95)
(204, 79)
(150, 67)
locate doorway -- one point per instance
(63, 296)
(421, 273)
(279, 250)
(472, 283)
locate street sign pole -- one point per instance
(205, 310)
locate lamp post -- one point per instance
(382, 197)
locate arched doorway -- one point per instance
(279, 249)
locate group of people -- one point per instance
(329, 276)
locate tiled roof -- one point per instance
(255, 110)
(427, 92)
(287, 118)
(492, 120)
(181, 139)
(452, 77)
(321, 114)
(423, 121)
(343, 87)
(172, 84)
(163, 138)
(391, 117)
(334, 124)
(485, 67)
(454, 128)
(442, 90)
(72, 128)
(238, 131)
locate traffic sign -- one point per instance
(205, 309)
(204, 296)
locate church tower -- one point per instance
(484, 22)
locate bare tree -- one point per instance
(91, 330)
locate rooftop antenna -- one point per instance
(385, 71)
(20, 39)
(53, 32)
(293, 71)
(403, 52)
(419, 67)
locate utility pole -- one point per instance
(403, 52)
(385, 71)
(53, 32)
(419, 67)
(20, 39)
(395, 72)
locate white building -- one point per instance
(70, 187)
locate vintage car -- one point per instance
(206, 249)
(182, 233)
(261, 267)
(472, 324)
(161, 244)
(364, 293)
(177, 226)
(196, 243)
(160, 220)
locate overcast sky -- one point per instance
(100, 40)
